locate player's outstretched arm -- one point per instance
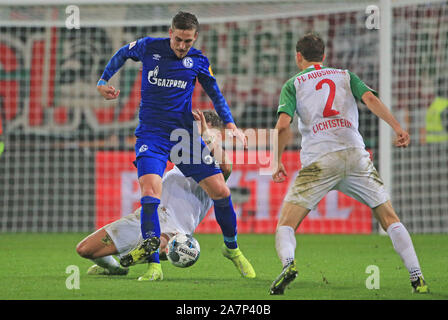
(380, 110)
(284, 133)
(129, 51)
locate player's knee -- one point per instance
(386, 215)
(220, 192)
(150, 191)
(150, 186)
(83, 250)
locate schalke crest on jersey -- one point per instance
(187, 62)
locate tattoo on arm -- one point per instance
(107, 240)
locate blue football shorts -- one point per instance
(192, 158)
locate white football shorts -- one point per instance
(350, 171)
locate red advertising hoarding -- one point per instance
(257, 199)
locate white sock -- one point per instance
(285, 244)
(401, 240)
(107, 262)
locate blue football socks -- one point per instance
(226, 218)
(149, 222)
(149, 218)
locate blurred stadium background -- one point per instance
(67, 159)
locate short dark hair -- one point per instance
(311, 46)
(185, 21)
(212, 117)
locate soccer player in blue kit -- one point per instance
(170, 69)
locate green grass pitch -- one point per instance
(331, 267)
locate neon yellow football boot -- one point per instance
(288, 274)
(239, 260)
(154, 273)
(419, 286)
(141, 253)
(100, 271)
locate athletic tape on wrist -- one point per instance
(101, 82)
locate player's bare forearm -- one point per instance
(284, 133)
(380, 110)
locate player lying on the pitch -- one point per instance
(183, 206)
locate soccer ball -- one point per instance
(183, 250)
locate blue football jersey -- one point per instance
(168, 83)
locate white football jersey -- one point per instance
(324, 100)
(183, 205)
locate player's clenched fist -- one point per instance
(108, 92)
(402, 139)
(280, 173)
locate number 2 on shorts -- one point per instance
(328, 112)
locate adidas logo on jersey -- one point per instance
(167, 83)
